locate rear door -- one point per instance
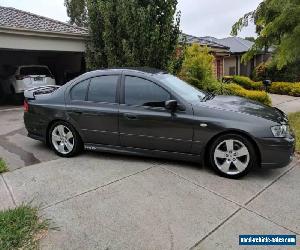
(96, 111)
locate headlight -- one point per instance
(280, 131)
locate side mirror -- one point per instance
(171, 105)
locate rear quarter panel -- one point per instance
(43, 111)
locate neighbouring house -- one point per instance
(233, 64)
(30, 39)
(228, 54)
(219, 51)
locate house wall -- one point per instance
(26, 41)
(234, 66)
(229, 62)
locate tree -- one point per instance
(77, 11)
(130, 33)
(278, 27)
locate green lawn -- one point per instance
(295, 124)
(21, 228)
(3, 167)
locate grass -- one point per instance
(21, 228)
(294, 119)
(3, 167)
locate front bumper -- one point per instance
(276, 152)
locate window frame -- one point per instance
(117, 95)
(122, 102)
(116, 90)
(86, 92)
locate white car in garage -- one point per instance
(29, 76)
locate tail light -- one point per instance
(26, 106)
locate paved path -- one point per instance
(113, 202)
(288, 104)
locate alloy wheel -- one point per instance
(231, 157)
(62, 139)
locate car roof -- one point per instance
(143, 70)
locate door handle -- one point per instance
(130, 116)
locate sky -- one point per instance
(198, 17)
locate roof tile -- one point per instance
(14, 18)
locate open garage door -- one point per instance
(63, 65)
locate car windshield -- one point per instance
(186, 90)
(35, 71)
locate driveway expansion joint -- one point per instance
(94, 189)
(272, 182)
(215, 229)
(203, 187)
(9, 191)
(241, 206)
(266, 218)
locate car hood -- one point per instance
(246, 106)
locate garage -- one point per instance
(30, 39)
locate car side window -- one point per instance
(78, 92)
(142, 92)
(103, 89)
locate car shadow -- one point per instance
(257, 171)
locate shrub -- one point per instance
(256, 95)
(197, 67)
(260, 72)
(237, 90)
(269, 70)
(281, 88)
(247, 83)
(285, 88)
(3, 166)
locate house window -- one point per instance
(232, 71)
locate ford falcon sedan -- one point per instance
(151, 113)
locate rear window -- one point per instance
(35, 71)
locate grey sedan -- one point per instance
(151, 113)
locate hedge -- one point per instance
(285, 88)
(256, 95)
(282, 88)
(231, 89)
(247, 83)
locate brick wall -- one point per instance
(218, 67)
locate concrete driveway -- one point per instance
(103, 201)
(288, 104)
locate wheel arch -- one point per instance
(50, 124)
(237, 132)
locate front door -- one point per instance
(96, 113)
(145, 123)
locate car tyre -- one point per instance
(232, 156)
(64, 139)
